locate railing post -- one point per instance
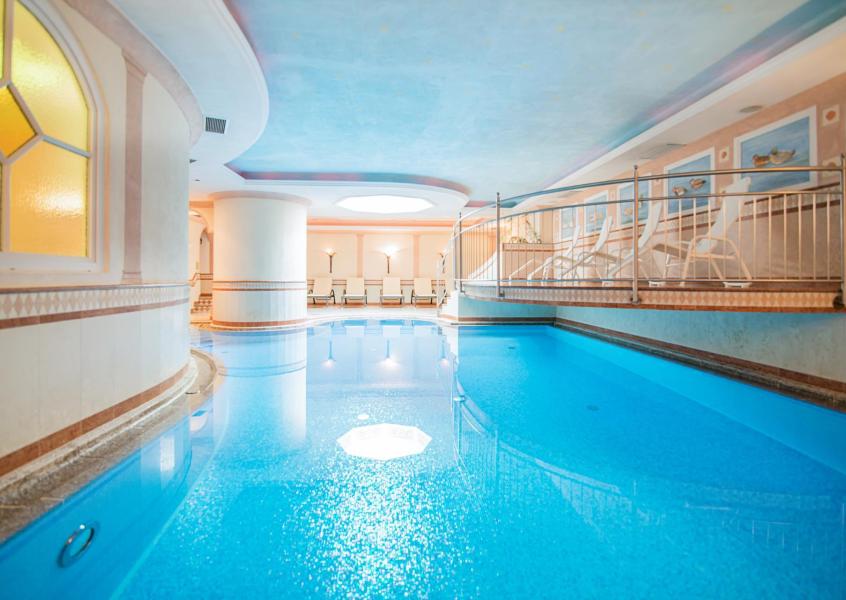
(635, 219)
(457, 256)
(498, 249)
(842, 229)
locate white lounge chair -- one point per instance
(355, 290)
(423, 290)
(561, 259)
(715, 245)
(391, 290)
(322, 290)
(595, 252)
(644, 242)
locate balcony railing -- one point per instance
(683, 234)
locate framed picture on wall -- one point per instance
(788, 142)
(567, 217)
(595, 213)
(624, 192)
(681, 190)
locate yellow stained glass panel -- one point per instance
(46, 81)
(49, 187)
(15, 129)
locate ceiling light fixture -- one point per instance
(384, 204)
(748, 110)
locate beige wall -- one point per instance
(361, 254)
(831, 138)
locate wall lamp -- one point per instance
(331, 254)
(389, 252)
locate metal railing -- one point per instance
(682, 233)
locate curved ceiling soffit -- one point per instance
(340, 178)
(207, 47)
(251, 67)
(115, 25)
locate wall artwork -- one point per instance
(785, 143)
(624, 192)
(681, 190)
(568, 222)
(595, 213)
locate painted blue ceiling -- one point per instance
(501, 95)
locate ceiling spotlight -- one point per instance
(753, 108)
(385, 204)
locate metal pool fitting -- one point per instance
(77, 544)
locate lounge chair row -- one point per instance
(714, 247)
(354, 290)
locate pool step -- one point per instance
(202, 304)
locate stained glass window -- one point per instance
(44, 142)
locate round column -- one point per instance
(259, 260)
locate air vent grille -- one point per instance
(215, 125)
(656, 151)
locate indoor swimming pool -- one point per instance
(375, 459)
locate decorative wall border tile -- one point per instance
(20, 307)
(749, 299)
(51, 442)
(256, 324)
(258, 286)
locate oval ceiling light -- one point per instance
(385, 204)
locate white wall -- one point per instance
(259, 256)
(164, 227)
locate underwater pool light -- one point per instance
(384, 441)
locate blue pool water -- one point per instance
(544, 464)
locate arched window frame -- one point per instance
(18, 262)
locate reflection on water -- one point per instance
(374, 459)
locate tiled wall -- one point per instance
(92, 349)
(807, 343)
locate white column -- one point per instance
(259, 260)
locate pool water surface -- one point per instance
(376, 459)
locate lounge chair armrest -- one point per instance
(719, 238)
